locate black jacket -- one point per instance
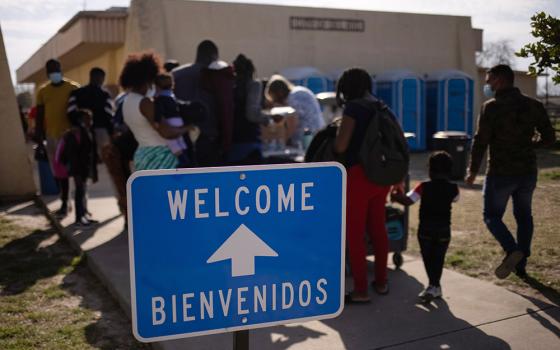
(507, 125)
(78, 154)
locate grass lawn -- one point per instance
(475, 252)
(48, 297)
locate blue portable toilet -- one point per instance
(317, 84)
(373, 84)
(310, 77)
(449, 102)
(404, 92)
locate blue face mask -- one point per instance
(488, 92)
(55, 77)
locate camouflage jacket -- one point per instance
(512, 125)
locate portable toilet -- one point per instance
(317, 84)
(310, 77)
(404, 92)
(449, 102)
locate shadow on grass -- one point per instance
(548, 292)
(24, 261)
(39, 256)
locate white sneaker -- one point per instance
(430, 293)
(427, 294)
(82, 222)
(436, 292)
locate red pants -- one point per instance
(365, 211)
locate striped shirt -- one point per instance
(97, 100)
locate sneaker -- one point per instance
(89, 218)
(82, 222)
(428, 294)
(436, 292)
(351, 298)
(508, 264)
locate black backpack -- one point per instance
(384, 151)
(321, 148)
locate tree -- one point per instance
(546, 50)
(497, 52)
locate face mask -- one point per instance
(55, 77)
(488, 92)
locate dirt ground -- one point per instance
(474, 251)
(48, 297)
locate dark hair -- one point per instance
(279, 86)
(53, 65)
(76, 116)
(96, 72)
(244, 74)
(170, 64)
(244, 68)
(206, 52)
(502, 71)
(354, 83)
(440, 164)
(164, 81)
(140, 69)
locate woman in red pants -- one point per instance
(365, 208)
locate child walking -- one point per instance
(434, 230)
(167, 109)
(75, 153)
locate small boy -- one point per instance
(76, 153)
(434, 230)
(166, 108)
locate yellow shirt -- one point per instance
(55, 101)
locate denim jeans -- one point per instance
(497, 191)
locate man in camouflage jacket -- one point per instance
(511, 125)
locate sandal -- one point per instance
(350, 299)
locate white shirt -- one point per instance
(143, 131)
(307, 109)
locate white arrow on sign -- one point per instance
(242, 247)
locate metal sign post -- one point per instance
(241, 340)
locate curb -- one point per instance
(91, 264)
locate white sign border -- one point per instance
(228, 169)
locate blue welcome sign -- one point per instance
(223, 249)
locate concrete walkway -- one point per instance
(473, 314)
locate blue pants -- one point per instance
(497, 191)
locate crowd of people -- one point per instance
(211, 113)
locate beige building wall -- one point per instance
(422, 43)
(16, 176)
(89, 39)
(111, 62)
